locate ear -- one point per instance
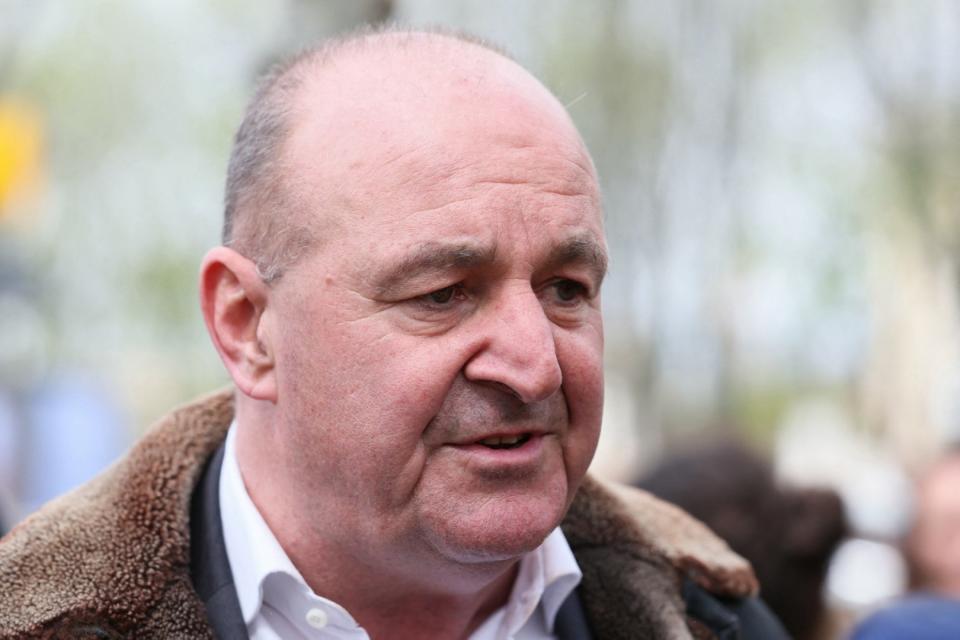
(233, 299)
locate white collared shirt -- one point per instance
(276, 601)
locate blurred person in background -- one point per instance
(932, 546)
(407, 301)
(932, 551)
(787, 534)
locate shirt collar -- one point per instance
(546, 577)
(252, 549)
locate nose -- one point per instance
(518, 350)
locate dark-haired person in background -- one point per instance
(787, 534)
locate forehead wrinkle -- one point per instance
(430, 257)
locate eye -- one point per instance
(443, 297)
(569, 290)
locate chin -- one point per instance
(498, 530)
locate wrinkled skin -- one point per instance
(453, 297)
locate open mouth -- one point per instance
(506, 442)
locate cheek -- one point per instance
(365, 374)
(581, 361)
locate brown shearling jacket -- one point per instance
(111, 559)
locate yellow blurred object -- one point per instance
(21, 140)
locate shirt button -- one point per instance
(317, 618)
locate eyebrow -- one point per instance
(432, 257)
(581, 250)
(437, 257)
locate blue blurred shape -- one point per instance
(919, 617)
(74, 430)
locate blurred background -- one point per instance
(782, 194)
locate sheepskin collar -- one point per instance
(111, 559)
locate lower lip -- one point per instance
(527, 454)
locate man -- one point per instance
(407, 301)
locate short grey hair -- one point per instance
(260, 218)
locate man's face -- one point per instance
(439, 357)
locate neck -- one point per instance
(393, 598)
(397, 612)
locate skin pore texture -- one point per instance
(420, 396)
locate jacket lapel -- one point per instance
(571, 622)
(210, 568)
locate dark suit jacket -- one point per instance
(746, 619)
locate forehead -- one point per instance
(518, 207)
(492, 186)
(500, 178)
(473, 147)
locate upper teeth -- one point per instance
(499, 440)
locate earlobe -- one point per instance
(234, 299)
